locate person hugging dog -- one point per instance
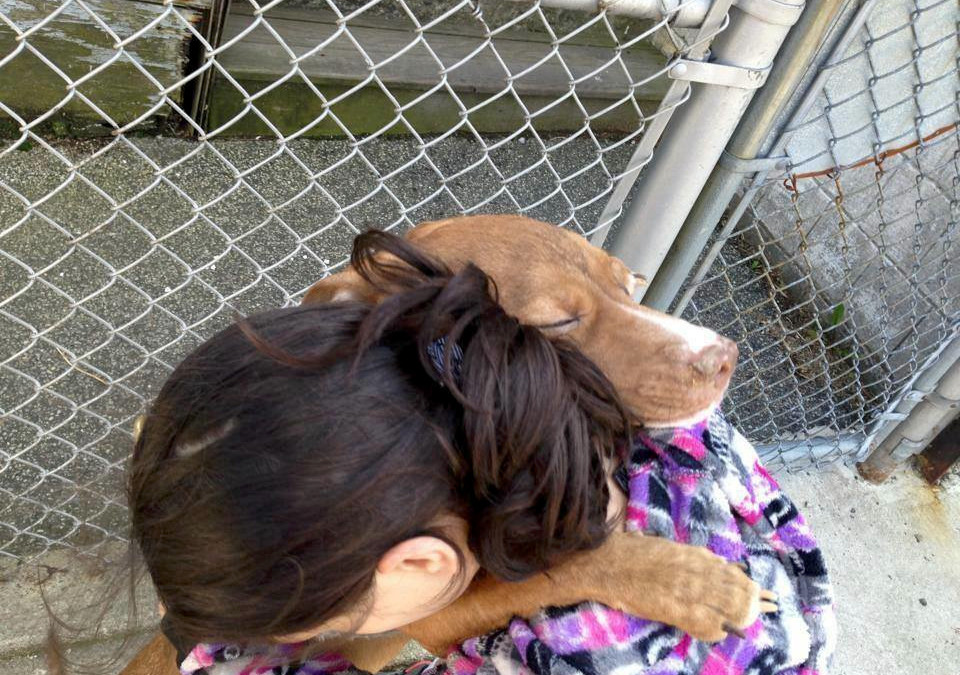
(350, 469)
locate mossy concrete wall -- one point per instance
(129, 84)
(73, 44)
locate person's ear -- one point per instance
(420, 555)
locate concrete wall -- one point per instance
(879, 242)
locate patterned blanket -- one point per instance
(702, 485)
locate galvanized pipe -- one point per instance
(682, 14)
(763, 115)
(699, 131)
(677, 94)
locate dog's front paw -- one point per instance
(688, 587)
(715, 597)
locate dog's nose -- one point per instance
(717, 360)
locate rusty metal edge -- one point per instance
(941, 455)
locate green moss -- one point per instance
(294, 107)
(75, 45)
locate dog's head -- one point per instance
(667, 370)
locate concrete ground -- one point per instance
(893, 550)
(894, 555)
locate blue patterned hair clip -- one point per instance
(436, 350)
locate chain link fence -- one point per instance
(188, 163)
(842, 278)
(136, 220)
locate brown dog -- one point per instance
(668, 371)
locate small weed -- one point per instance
(26, 146)
(837, 316)
(60, 128)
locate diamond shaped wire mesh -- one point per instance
(842, 279)
(135, 224)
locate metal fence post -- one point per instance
(799, 52)
(927, 406)
(913, 434)
(742, 56)
(770, 247)
(724, 182)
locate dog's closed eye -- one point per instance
(561, 326)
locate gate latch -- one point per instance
(717, 73)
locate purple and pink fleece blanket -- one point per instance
(702, 485)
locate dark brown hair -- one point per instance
(289, 452)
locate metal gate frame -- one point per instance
(930, 400)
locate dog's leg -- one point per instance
(683, 586)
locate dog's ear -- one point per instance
(342, 287)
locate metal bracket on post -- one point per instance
(940, 401)
(706, 72)
(735, 164)
(678, 93)
(905, 447)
